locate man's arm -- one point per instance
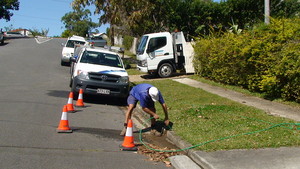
(165, 108)
(151, 112)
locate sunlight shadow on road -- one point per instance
(98, 132)
(58, 93)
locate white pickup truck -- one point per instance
(68, 48)
(98, 71)
(163, 53)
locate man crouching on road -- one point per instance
(147, 95)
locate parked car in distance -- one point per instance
(1, 37)
(97, 41)
(11, 35)
(99, 71)
(68, 48)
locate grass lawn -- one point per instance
(200, 117)
(133, 70)
(241, 90)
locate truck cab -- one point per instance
(163, 53)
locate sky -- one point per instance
(44, 14)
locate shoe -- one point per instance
(123, 132)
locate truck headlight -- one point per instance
(144, 63)
(83, 75)
(124, 79)
(67, 55)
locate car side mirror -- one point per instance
(62, 44)
(73, 59)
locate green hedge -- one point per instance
(265, 59)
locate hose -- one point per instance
(223, 138)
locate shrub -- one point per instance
(265, 59)
(128, 40)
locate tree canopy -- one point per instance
(137, 17)
(78, 22)
(5, 8)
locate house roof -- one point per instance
(18, 30)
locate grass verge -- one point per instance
(133, 70)
(241, 90)
(199, 117)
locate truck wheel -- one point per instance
(75, 93)
(71, 82)
(165, 70)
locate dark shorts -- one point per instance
(132, 100)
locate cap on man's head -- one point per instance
(153, 92)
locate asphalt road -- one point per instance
(33, 89)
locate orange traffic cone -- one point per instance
(70, 106)
(79, 102)
(128, 144)
(64, 123)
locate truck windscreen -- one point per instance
(142, 45)
(98, 58)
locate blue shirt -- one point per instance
(140, 92)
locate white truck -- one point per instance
(98, 71)
(163, 53)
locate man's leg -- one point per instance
(154, 130)
(153, 120)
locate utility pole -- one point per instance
(267, 11)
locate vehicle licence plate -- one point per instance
(103, 91)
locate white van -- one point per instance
(68, 49)
(99, 71)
